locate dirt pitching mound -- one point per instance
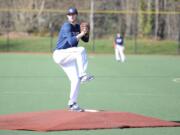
(58, 120)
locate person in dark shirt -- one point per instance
(72, 58)
(119, 48)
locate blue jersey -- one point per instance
(119, 41)
(67, 36)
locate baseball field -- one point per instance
(144, 84)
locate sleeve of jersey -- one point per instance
(72, 40)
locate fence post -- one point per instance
(8, 27)
(92, 24)
(51, 30)
(135, 31)
(179, 37)
(135, 44)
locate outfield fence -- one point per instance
(141, 20)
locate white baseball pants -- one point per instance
(74, 63)
(119, 53)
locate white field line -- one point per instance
(176, 80)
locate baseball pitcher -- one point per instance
(71, 58)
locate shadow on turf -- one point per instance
(176, 121)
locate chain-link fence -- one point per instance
(144, 24)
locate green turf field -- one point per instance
(144, 84)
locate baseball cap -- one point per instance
(72, 10)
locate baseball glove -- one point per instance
(84, 26)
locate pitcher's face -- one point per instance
(72, 18)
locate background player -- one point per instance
(119, 48)
(72, 58)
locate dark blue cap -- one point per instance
(72, 10)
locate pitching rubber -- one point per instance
(91, 110)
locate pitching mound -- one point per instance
(66, 120)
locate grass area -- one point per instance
(33, 44)
(43, 44)
(143, 84)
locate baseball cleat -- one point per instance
(86, 78)
(75, 108)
